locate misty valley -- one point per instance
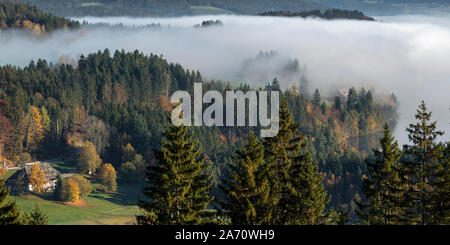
(362, 113)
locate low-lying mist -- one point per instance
(406, 55)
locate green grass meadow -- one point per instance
(99, 208)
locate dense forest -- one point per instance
(25, 16)
(31, 18)
(334, 160)
(121, 100)
(329, 14)
(389, 7)
(188, 7)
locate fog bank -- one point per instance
(406, 55)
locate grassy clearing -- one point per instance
(93, 4)
(65, 167)
(209, 10)
(100, 208)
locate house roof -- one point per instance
(21, 175)
(50, 172)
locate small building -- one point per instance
(19, 180)
(342, 93)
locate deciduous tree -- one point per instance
(88, 161)
(107, 176)
(37, 179)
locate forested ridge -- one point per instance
(165, 7)
(114, 109)
(24, 16)
(329, 14)
(120, 99)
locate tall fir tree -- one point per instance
(297, 194)
(247, 187)
(423, 166)
(384, 187)
(10, 214)
(178, 187)
(316, 98)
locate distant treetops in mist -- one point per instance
(329, 14)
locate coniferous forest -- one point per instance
(73, 131)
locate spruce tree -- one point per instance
(316, 98)
(9, 212)
(423, 166)
(37, 217)
(384, 187)
(297, 194)
(275, 85)
(178, 187)
(247, 187)
(441, 196)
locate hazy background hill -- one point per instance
(205, 7)
(167, 7)
(390, 7)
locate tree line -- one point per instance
(117, 102)
(329, 14)
(111, 109)
(409, 186)
(270, 182)
(275, 182)
(183, 7)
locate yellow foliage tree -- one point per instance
(45, 120)
(37, 179)
(33, 128)
(3, 165)
(73, 190)
(372, 124)
(26, 24)
(89, 160)
(107, 176)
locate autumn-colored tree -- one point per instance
(37, 179)
(2, 170)
(88, 161)
(128, 153)
(33, 129)
(84, 184)
(107, 176)
(3, 165)
(45, 120)
(70, 191)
